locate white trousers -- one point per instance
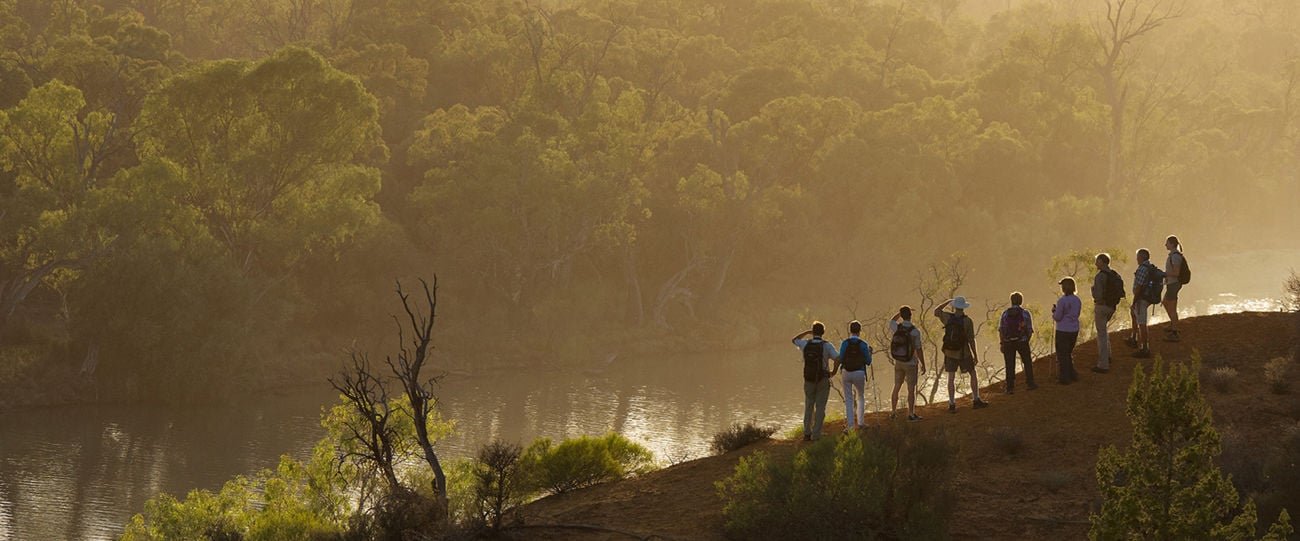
(854, 384)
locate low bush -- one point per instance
(889, 483)
(1008, 440)
(1277, 373)
(740, 436)
(1223, 378)
(499, 483)
(583, 462)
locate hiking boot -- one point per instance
(1011, 390)
(1100, 370)
(1131, 342)
(1143, 353)
(913, 418)
(1031, 386)
(1172, 336)
(952, 407)
(807, 437)
(893, 416)
(980, 404)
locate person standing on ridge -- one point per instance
(1015, 327)
(854, 358)
(906, 350)
(1147, 281)
(815, 352)
(1066, 314)
(1107, 291)
(1176, 274)
(959, 349)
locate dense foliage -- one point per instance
(1166, 485)
(891, 483)
(199, 194)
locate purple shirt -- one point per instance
(1066, 313)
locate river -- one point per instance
(80, 472)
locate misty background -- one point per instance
(199, 197)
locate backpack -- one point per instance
(1155, 285)
(1113, 289)
(855, 356)
(1184, 272)
(901, 346)
(813, 369)
(1016, 326)
(954, 334)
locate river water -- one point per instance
(81, 472)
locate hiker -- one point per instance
(1066, 314)
(814, 353)
(1107, 290)
(854, 358)
(959, 349)
(1175, 276)
(1147, 282)
(1015, 327)
(905, 348)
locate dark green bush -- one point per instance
(740, 436)
(890, 483)
(583, 462)
(499, 483)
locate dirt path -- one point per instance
(1045, 491)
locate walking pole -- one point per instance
(875, 388)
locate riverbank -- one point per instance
(1046, 490)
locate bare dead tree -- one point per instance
(375, 437)
(1125, 22)
(411, 359)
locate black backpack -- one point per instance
(1113, 288)
(1155, 284)
(901, 346)
(1184, 272)
(854, 357)
(1017, 325)
(813, 368)
(954, 334)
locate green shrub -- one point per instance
(889, 483)
(1222, 378)
(741, 435)
(1277, 373)
(1165, 485)
(583, 462)
(499, 483)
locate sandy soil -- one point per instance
(1046, 491)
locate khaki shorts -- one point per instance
(1140, 310)
(951, 364)
(905, 372)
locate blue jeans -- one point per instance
(814, 406)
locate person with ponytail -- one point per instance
(1174, 265)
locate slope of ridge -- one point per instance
(1046, 491)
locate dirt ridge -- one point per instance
(1046, 491)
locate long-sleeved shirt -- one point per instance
(1066, 313)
